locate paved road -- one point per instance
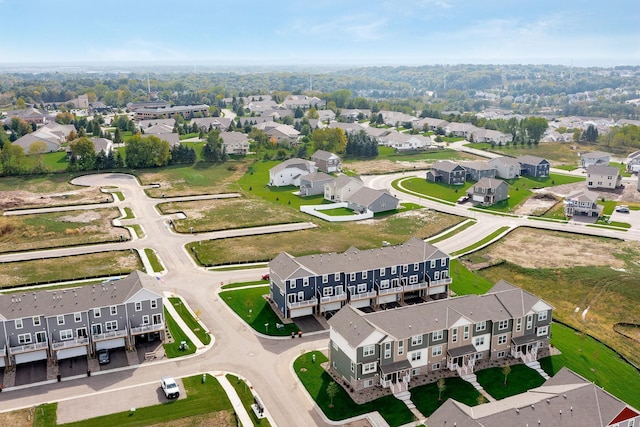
(265, 362)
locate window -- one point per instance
(367, 368)
(503, 324)
(24, 339)
(400, 348)
(291, 283)
(113, 310)
(145, 319)
(41, 336)
(502, 339)
(353, 367)
(305, 281)
(518, 324)
(436, 275)
(529, 321)
(352, 277)
(77, 317)
(60, 320)
(395, 282)
(362, 288)
(368, 350)
(542, 316)
(416, 340)
(325, 278)
(368, 383)
(96, 312)
(416, 355)
(96, 328)
(415, 371)
(433, 263)
(481, 326)
(154, 303)
(66, 334)
(543, 331)
(479, 341)
(157, 319)
(466, 332)
(435, 367)
(301, 296)
(81, 332)
(405, 268)
(501, 354)
(443, 262)
(364, 274)
(336, 276)
(339, 290)
(36, 321)
(416, 266)
(454, 335)
(413, 279)
(384, 284)
(394, 270)
(381, 271)
(437, 335)
(436, 351)
(111, 325)
(138, 306)
(18, 323)
(327, 292)
(387, 350)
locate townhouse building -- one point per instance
(65, 323)
(391, 275)
(387, 348)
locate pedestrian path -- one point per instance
(186, 329)
(238, 407)
(535, 365)
(405, 397)
(473, 380)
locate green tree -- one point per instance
(12, 159)
(83, 154)
(506, 370)
(64, 118)
(332, 391)
(329, 139)
(590, 134)
(441, 387)
(313, 113)
(117, 137)
(145, 152)
(20, 104)
(535, 128)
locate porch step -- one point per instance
(473, 380)
(535, 365)
(405, 397)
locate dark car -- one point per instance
(265, 276)
(103, 357)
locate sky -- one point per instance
(321, 32)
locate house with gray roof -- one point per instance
(603, 177)
(162, 112)
(594, 158)
(290, 171)
(353, 115)
(490, 135)
(65, 323)
(567, 399)
(235, 142)
(346, 127)
(582, 202)
(477, 169)
(488, 191)
(315, 284)
(633, 161)
(390, 347)
(51, 143)
(534, 166)
(341, 188)
(506, 167)
(370, 200)
(326, 161)
(207, 123)
(447, 172)
(313, 183)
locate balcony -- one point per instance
(390, 291)
(144, 329)
(445, 281)
(109, 335)
(333, 298)
(28, 348)
(416, 286)
(364, 295)
(301, 304)
(70, 343)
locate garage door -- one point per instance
(109, 344)
(71, 352)
(306, 311)
(331, 306)
(361, 303)
(386, 299)
(437, 290)
(31, 357)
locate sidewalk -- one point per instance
(188, 332)
(241, 412)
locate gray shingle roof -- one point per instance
(487, 182)
(366, 196)
(603, 170)
(293, 163)
(445, 165)
(530, 160)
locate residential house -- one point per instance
(354, 115)
(102, 144)
(534, 166)
(369, 200)
(305, 102)
(326, 161)
(235, 142)
(476, 170)
(326, 115)
(144, 124)
(463, 130)
(600, 176)
(490, 135)
(506, 167)
(582, 202)
(51, 142)
(207, 123)
(341, 188)
(315, 284)
(186, 111)
(566, 400)
(594, 158)
(29, 115)
(488, 191)
(62, 132)
(290, 171)
(283, 134)
(395, 118)
(314, 183)
(65, 323)
(408, 142)
(388, 348)
(431, 124)
(633, 162)
(447, 172)
(347, 127)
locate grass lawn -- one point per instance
(128, 214)
(202, 398)
(56, 162)
(173, 349)
(245, 395)
(594, 361)
(338, 212)
(390, 153)
(52, 270)
(316, 380)
(253, 308)
(244, 284)
(464, 281)
(468, 223)
(153, 260)
(191, 322)
(482, 242)
(521, 379)
(425, 397)
(555, 152)
(437, 190)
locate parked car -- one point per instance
(622, 209)
(170, 387)
(103, 357)
(463, 199)
(265, 276)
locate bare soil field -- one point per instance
(218, 419)
(25, 199)
(374, 167)
(21, 418)
(537, 204)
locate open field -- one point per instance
(52, 270)
(556, 153)
(45, 191)
(58, 229)
(222, 214)
(328, 237)
(580, 273)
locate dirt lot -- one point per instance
(569, 250)
(21, 199)
(627, 194)
(373, 167)
(537, 204)
(21, 418)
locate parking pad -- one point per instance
(308, 324)
(32, 372)
(73, 366)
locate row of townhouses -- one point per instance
(65, 323)
(387, 348)
(315, 284)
